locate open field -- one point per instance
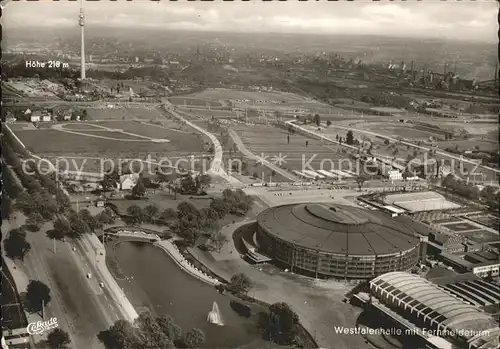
(407, 131)
(460, 226)
(270, 141)
(206, 113)
(448, 220)
(193, 101)
(114, 113)
(19, 126)
(379, 148)
(487, 220)
(64, 144)
(470, 144)
(117, 136)
(81, 126)
(120, 112)
(481, 236)
(169, 129)
(261, 99)
(136, 85)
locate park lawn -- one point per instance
(188, 100)
(55, 142)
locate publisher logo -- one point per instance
(40, 327)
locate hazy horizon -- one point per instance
(456, 21)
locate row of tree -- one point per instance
(42, 199)
(461, 187)
(150, 332)
(72, 225)
(190, 222)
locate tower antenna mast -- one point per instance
(82, 37)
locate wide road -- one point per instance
(84, 305)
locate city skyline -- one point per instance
(473, 21)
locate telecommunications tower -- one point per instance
(82, 34)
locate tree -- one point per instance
(151, 213)
(37, 295)
(360, 180)
(78, 226)
(219, 206)
(386, 141)
(168, 326)
(110, 180)
(280, 324)
(136, 214)
(61, 228)
(317, 119)
(219, 240)
(240, 283)
(190, 235)
(62, 201)
(168, 215)
(34, 221)
(105, 217)
(204, 181)
(194, 338)
(349, 138)
(6, 207)
(58, 339)
(26, 203)
(15, 245)
(149, 332)
(328, 123)
(139, 190)
(90, 220)
(121, 335)
(161, 177)
(189, 185)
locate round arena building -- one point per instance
(330, 240)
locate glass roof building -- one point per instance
(430, 307)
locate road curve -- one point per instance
(216, 167)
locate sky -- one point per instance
(470, 20)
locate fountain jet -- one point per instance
(214, 316)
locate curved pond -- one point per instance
(152, 280)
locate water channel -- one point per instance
(152, 280)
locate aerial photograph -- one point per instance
(250, 175)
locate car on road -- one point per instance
(101, 284)
(89, 276)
